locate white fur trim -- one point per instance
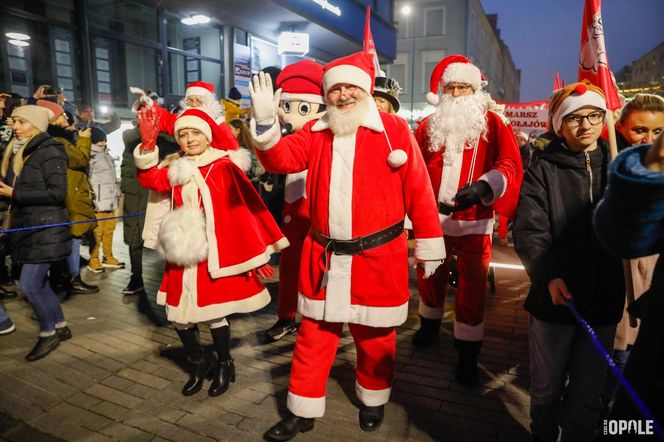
(371, 120)
(463, 73)
(574, 102)
(181, 171)
(192, 122)
(432, 99)
(347, 74)
(182, 239)
(450, 177)
(241, 158)
(307, 407)
(296, 186)
(188, 311)
(430, 312)
(397, 158)
(498, 184)
(198, 91)
(252, 263)
(430, 249)
(461, 227)
(267, 139)
(159, 204)
(372, 398)
(161, 298)
(467, 332)
(310, 98)
(146, 160)
(370, 316)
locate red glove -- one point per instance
(148, 122)
(265, 271)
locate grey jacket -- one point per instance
(103, 180)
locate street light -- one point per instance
(406, 10)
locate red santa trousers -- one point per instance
(473, 254)
(315, 350)
(502, 226)
(295, 226)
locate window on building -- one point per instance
(201, 39)
(404, 26)
(61, 10)
(399, 71)
(125, 17)
(434, 21)
(429, 61)
(263, 54)
(184, 70)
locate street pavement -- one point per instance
(119, 377)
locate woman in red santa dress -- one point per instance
(215, 234)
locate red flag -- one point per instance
(593, 59)
(369, 46)
(556, 82)
(563, 85)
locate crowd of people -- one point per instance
(229, 192)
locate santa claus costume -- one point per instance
(213, 235)
(361, 183)
(474, 167)
(209, 103)
(301, 86)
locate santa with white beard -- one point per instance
(198, 95)
(474, 165)
(365, 173)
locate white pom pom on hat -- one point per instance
(432, 98)
(397, 158)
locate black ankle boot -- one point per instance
(223, 378)
(205, 365)
(63, 333)
(44, 346)
(466, 372)
(80, 287)
(289, 427)
(428, 332)
(371, 417)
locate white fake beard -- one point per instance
(344, 123)
(458, 122)
(211, 106)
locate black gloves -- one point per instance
(471, 194)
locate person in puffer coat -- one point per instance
(36, 185)
(103, 181)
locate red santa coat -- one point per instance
(239, 231)
(167, 125)
(352, 191)
(498, 162)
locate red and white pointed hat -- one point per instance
(454, 69)
(356, 69)
(302, 81)
(199, 88)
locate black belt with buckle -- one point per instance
(357, 245)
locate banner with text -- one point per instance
(528, 117)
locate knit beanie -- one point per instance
(572, 97)
(54, 109)
(234, 94)
(97, 134)
(35, 115)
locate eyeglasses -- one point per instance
(350, 90)
(594, 118)
(462, 88)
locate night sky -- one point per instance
(544, 35)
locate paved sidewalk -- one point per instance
(120, 376)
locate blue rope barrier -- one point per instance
(46, 226)
(616, 371)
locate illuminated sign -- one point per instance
(295, 43)
(325, 4)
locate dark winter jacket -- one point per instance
(629, 221)
(39, 197)
(554, 237)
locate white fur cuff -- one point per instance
(267, 139)
(372, 398)
(146, 160)
(430, 312)
(498, 184)
(430, 249)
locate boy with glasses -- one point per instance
(553, 236)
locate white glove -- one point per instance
(428, 267)
(264, 102)
(142, 100)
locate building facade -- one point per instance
(433, 29)
(94, 50)
(645, 75)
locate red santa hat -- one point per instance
(356, 69)
(199, 88)
(454, 68)
(198, 119)
(302, 81)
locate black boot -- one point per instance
(289, 427)
(221, 336)
(204, 362)
(371, 417)
(466, 369)
(428, 332)
(44, 346)
(81, 288)
(63, 333)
